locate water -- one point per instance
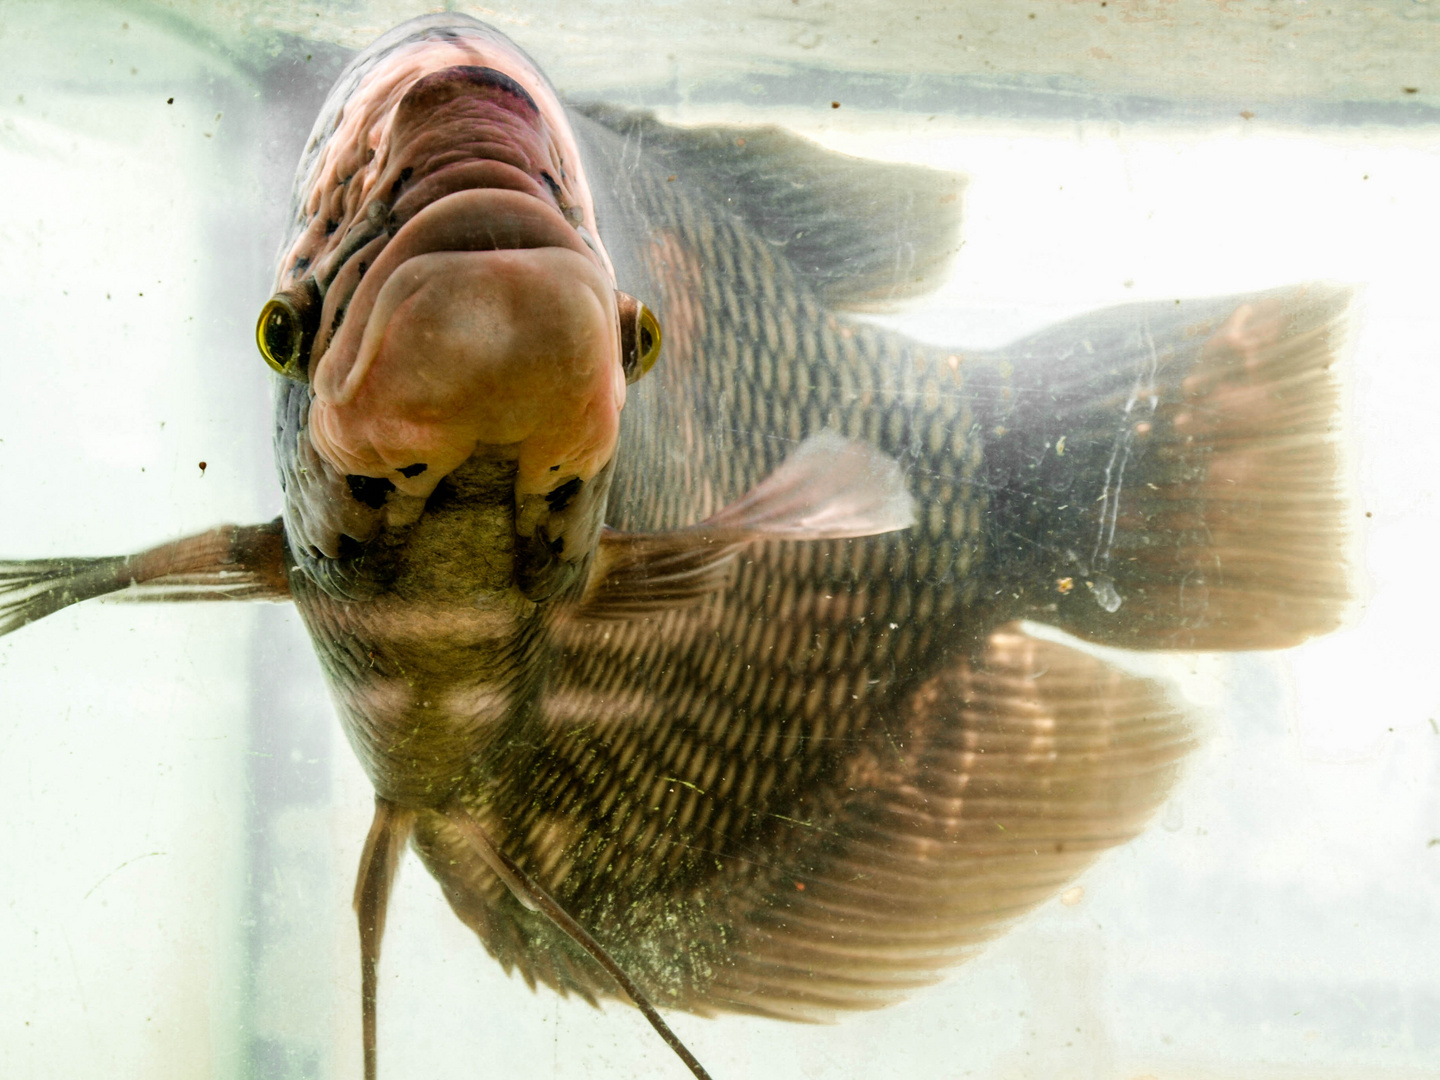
(183, 819)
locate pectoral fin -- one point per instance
(232, 562)
(831, 488)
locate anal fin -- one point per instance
(998, 780)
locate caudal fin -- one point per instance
(1176, 475)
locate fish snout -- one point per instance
(512, 352)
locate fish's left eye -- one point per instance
(287, 327)
(639, 337)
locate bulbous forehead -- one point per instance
(347, 145)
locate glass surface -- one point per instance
(183, 816)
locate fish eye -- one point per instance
(639, 337)
(287, 327)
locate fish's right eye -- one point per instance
(287, 327)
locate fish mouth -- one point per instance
(482, 318)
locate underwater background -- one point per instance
(182, 817)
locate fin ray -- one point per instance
(379, 861)
(863, 234)
(831, 488)
(1201, 503)
(232, 562)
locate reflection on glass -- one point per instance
(862, 757)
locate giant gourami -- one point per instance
(710, 674)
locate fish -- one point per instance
(712, 666)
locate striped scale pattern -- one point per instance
(813, 791)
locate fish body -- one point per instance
(731, 660)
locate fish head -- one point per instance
(444, 298)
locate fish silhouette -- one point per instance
(690, 643)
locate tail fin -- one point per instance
(233, 562)
(1177, 469)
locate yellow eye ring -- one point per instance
(640, 337)
(648, 343)
(283, 331)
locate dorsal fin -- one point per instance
(863, 234)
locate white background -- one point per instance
(1279, 918)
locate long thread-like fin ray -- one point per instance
(232, 562)
(529, 893)
(389, 830)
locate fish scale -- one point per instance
(800, 733)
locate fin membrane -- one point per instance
(233, 562)
(1174, 477)
(1002, 778)
(831, 488)
(863, 234)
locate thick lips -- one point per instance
(485, 322)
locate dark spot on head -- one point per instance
(370, 490)
(400, 181)
(349, 547)
(410, 471)
(560, 498)
(360, 276)
(302, 264)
